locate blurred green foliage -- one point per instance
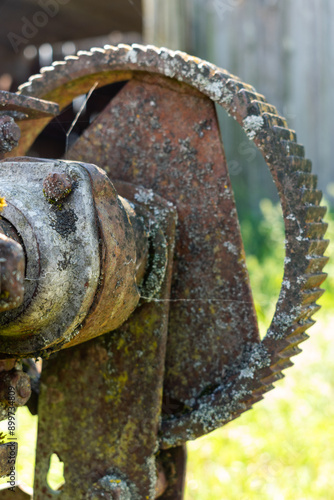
(264, 245)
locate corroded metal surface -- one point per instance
(15, 388)
(12, 267)
(251, 372)
(61, 243)
(100, 402)
(26, 107)
(175, 150)
(80, 243)
(17, 494)
(9, 134)
(20, 108)
(56, 187)
(8, 453)
(117, 295)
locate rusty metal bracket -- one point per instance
(105, 400)
(101, 407)
(22, 107)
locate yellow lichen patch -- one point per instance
(3, 203)
(116, 389)
(212, 309)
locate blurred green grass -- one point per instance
(282, 449)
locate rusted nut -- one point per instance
(12, 267)
(56, 187)
(8, 454)
(15, 388)
(9, 134)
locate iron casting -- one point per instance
(136, 289)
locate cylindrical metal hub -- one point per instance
(81, 258)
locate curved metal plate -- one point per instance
(165, 137)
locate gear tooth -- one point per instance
(110, 47)
(255, 398)
(276, 376)
(289, 353)
(299, 329)
(213, 67)
(271, 120)
(155, 49)
(297, 339)
(24, 86)
(83, 53)
(294, 341)
(124, 46)
(308, 311)
(267, 388)
(165, 50)
(59, 63)
(316, 230)
(318, 247)
(183, 54)
(311, 196)
(291, 350)
(97, 49)
(305, 180)
(139, 47)
(299, 164)
(239, 85)
(47, 69)
(35, 77)
(315, 213)
(251, 98)
(314, 280)
(257, 107)
(316, 263)
(285, 133)
(236, 86)
(291, 148)
(258, 395)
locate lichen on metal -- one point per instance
(159, 140)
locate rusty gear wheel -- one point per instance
(260, 363)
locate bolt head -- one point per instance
(11, 131)
(57, 187)
(19, 383)
(23, 388)
(9, 134)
